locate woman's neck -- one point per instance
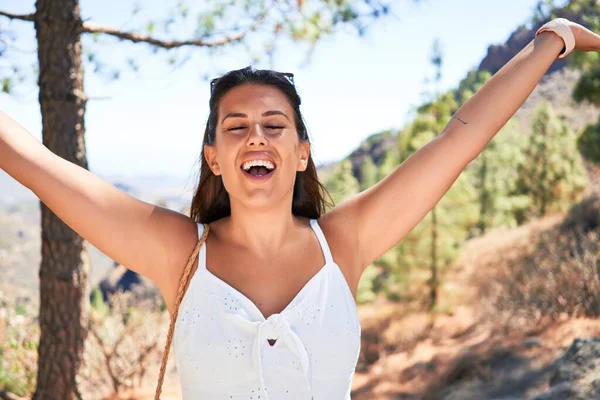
(263, 231)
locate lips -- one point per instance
(258, 156)
(266, 164)
(258, 173)
(258, 165)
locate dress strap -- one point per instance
(322, 241)
(202, 251)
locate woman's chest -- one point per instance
(220, 336)
(270, 283)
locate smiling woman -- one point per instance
(255, 116)
(264, 307)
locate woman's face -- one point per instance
(257, 150)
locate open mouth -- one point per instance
(258, 168)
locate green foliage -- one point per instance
(21, 310)
(454, 212)
(588, 86)
(365, 292)
(588, 143)
(162, 306)
(150, 27)
(416, 135)
(220, 24)
(388, 163)
(467, 87)
(543, 11)
(97, 302)
(516, 177)
(341, 183)
(6, 85)
(493, 177)
(588, 10)
(19, 337)
(433, 243)
(10, 78)
(551, 172)
(368, 173)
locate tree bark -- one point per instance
(64, 267)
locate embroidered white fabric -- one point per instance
(220, 340)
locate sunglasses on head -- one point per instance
(288, 75)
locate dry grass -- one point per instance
(125, 342)
(19, 336)
(517, 299)
(555, 274)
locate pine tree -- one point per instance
(368, 173)
(435, 241)
(493, 176)
(551, 172)
(341, 183)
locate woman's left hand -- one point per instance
(585, 39)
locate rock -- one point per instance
(142, 292)
(532, 342)
(577, 373)
(561, 391)
(498, 55)
(375, 147)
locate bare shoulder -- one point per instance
(179, 235)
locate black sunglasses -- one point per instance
(289, 76)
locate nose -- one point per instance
(256, 137)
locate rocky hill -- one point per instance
(499, 54)
(556, 87)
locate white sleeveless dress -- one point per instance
(220, 339)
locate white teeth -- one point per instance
(254, 163)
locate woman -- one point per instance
(269, 311)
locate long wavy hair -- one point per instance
(211, 200)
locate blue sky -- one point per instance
(152, 122)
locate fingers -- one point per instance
(594, 42)
(586, 40)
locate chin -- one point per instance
(260, 199)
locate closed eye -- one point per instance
(237, 128)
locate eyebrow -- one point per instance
(265, 114)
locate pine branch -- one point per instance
(137, 38)
(23, 17)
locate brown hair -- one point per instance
(211, 201)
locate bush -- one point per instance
(588, 143)
(124, 343)
(559, 276)
(19, 338)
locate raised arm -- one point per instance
(382, 215)
(151, 240)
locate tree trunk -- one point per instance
(64, 267)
